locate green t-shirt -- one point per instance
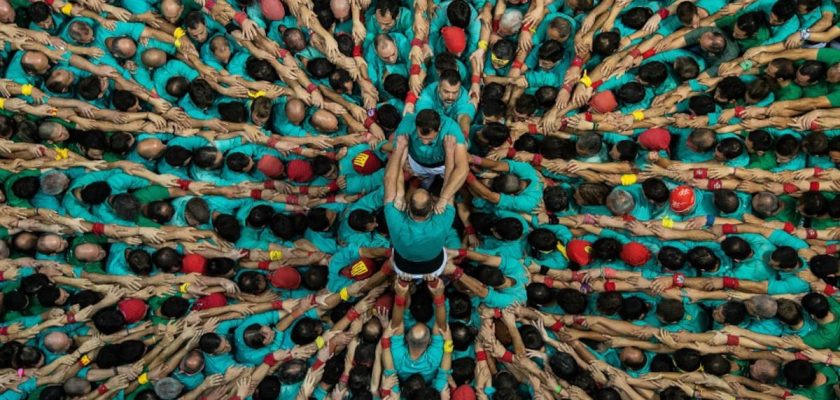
(824, 391)
(432, 154)
(826, 336)
(418, 240)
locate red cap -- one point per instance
(285, 278)
(300, 171)
(635, 254)
(682, 199)
(463, 392)
(271, 166)
(655, 139)
(366, 162)
(603, 102)
(359, 270)
(272, 9)
(212, 300)
(133, 310)
(193, 263)
(454, 39)
(579, 251)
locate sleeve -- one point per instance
(821, 338)
(691, 38)
(464, 107)
(505, 297)
(426, 100)
(133, 30)
(538, 79)
(782, 238)
(616, 82)
(124, 182)
(75, 208)
(22, 391)
(788, 28)
(790, 285)
(828, 55)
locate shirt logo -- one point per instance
(359, 268)
(360, 160)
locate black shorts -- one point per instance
(418, 267)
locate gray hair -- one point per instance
(168, 388)
(511, 20)
(75, 386)
(762, 306)
(765, 203)
(54, 183)
(620, 202)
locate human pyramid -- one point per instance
(410, 199)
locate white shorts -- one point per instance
(426, 174)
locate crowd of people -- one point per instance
(411, 199)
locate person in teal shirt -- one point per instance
(256, 337)
(388, 16)
(448, 96)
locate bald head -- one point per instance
(60, 80)
(295, 111)
(81, 32)
(386, 48)
(57, 342)
(153, 58)
(89, 252)
(420, 204)
(53, 132)
(418, 337)
(26, 241)
(171, 10)
(35, 62)
(632, 356)
(7, 12)
(765, 371)
(150, 149)
(51, 244)
(765, 203)
(123, 47)
(340, 9)
(193, 362)
(325, 121)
